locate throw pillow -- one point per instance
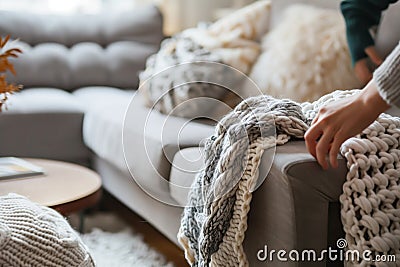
(203, 63)
(305, 56)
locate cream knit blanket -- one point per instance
(215, 220)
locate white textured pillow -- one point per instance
(305, 56)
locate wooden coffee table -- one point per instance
(65, 187)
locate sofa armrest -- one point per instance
(297, 206)
(47, 135)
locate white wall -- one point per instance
(182, 14)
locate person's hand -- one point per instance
(362, 67)
(340, 120)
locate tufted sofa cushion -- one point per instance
(65, 53)
(68, 52)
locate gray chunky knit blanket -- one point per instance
(215, 220)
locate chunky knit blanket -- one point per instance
(215, 220)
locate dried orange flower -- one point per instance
(5, 65)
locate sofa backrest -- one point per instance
(72, 51)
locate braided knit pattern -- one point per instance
(215, 220)
(33, 235)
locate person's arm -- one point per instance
(387, 78)
(340, 120)
(360, 16)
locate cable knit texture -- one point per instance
(215, 220)
(387, 77)
(33, 235)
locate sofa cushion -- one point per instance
(42, 100)
(104, 114)
(151, 139)
(69, 52)
(83, 64)
(142, 25)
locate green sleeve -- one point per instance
(360, 16)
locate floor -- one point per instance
(151, 236)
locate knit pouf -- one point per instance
(33, 235)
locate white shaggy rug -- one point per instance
(113, 244)
(121, 249)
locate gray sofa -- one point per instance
(65, 55)
(79, 75)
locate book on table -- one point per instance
(11, 167)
